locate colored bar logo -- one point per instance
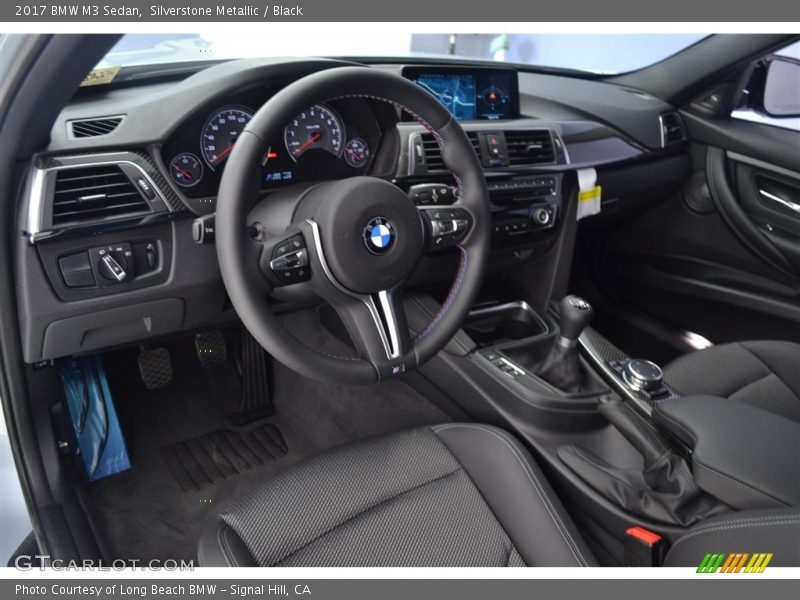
(738, 562)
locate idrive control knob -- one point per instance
(642, 375)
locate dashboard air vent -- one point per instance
(433, 155)
(94, 127)
(531, 147)
(672, 131)
(94, 193)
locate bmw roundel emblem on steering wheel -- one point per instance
(379, 235)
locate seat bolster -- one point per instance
(781, 358)
(222, 546)
(762, 373)
(516, 490)
(775, 531)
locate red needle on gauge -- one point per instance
(306, 144)
(223, 153)
(184, 173)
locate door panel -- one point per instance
(741, 211)
(771, 198)
(729, 271)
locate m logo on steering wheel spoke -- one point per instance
(379, 235)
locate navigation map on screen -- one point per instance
(455, 91)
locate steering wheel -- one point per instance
(354, 242)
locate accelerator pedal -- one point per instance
(155, 367)
(256, 401)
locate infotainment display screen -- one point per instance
(471, 93)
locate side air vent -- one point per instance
(94, 127)
(672, 131)
(531, 147)
(95, 193)
(433, 155)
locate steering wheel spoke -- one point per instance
(375, 321)
(378, 328)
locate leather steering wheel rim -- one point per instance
(240, 255)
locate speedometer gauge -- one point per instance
(221, 132)
(316, 128)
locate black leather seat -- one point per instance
(450, 495)
(761, 373)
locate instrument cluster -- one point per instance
(326, 141)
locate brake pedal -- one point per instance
(155, 367)
(212, 350)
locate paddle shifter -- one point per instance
(562, 367)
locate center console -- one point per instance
(624, 448)
(743, 455)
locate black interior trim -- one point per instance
(735, 217)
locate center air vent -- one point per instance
(531, 147)
(433, 154)
(94, 127)
(95, 193)
(672, 131)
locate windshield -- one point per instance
(606, 54)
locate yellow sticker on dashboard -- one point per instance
(593, 194)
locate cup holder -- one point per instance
(495, 325)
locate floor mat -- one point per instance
(145, 513)
(221, 454)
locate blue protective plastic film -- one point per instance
(98, 441)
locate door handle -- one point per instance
(793, 206)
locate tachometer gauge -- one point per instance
(186, 169)
(356, 153)
(316, 128)
(221, 132)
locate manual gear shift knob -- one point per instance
(576, 314)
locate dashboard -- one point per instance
(332, 140)
(117, 212)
